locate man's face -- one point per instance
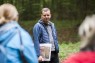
(45, 16)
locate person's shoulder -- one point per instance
(23, 31)
(51, 23)
(37, 25)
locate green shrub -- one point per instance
(65, 49)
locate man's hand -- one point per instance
(40, 58)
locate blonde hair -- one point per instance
(8, 12)
(87, 30)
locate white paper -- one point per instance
(45, 50)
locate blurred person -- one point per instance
(11, 32)
(44, 31)
(87, 48)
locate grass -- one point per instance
(66, 49)
(67, 23)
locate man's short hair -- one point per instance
(45, 10)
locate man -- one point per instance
(44, 32)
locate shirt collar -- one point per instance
(40, 21)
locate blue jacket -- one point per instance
(9, 33)
(40, 35)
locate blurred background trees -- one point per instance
(61, 9)
(66, 14)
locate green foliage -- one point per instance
(67, 49)
(28, 25)
(61, 9)
(67, 23)
(66, 30)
